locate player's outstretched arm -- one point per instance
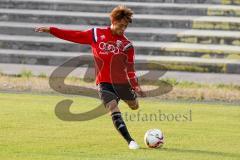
(82, 37)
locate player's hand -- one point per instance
(140, 92)
(42, 29)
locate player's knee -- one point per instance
(133, 105)
(112, 105)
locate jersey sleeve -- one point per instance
(82, 37)
(130, 67)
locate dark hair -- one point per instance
(121, 12)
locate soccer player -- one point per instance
(114, 64)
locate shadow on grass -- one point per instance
(211, 153)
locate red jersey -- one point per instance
(113, 54)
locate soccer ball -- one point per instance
(154, 138)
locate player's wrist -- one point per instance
(136, 87)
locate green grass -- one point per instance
(30, 130)
(26, 73)
(42, 75)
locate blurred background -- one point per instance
(198, 41)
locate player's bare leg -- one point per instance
(133, 104)
(112, 107)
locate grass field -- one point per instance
(29, 130)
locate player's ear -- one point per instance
(112, 21)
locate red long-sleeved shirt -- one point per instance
(113, 54)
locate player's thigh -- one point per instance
(126, 93)
(107, 93)
(108, 97)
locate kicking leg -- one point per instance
(119, 124)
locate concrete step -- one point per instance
(142, 47)
(223, 10)
(140, 20)
(91, 18)
(36, 57)
(105, 6)
(179, 1)
(169, 62)
(156, 1)
(137, 7)
(138, 33)
(210, 37)
(133, 33)
(233, 2)
(216, 23)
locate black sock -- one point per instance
(121, 126)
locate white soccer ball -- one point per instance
(154, 138)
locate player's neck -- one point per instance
(113, 31)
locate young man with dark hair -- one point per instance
(114, 63)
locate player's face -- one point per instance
(119, 27)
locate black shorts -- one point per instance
(109, 92)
